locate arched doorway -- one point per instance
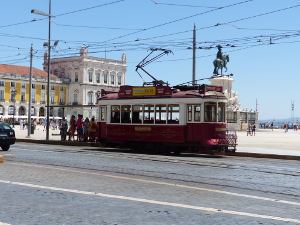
(42, 112)
(22, 111)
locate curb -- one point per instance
(93, 144)
(58, 142)
(257, 155)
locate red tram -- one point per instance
(162, 119)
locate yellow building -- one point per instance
(14, 92)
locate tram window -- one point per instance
(160, 114)
(190, 111)
(197, 113)
(149, 114)
(103, 113)
(173, 114)
(221, 112)
(137, 114)
(115, 114)
(210, 112)
(125, 114)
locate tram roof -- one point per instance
(127, 92)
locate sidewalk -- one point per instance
(265, 142)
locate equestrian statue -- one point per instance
(221, 61)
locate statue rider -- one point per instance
(219, 58)
(220, 53)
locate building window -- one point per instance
(61, 88)
(12, 84)
(52, 88)
(33, 86)
(76, 77)
(55, 72)
(61, 99)
(33, 97)
(105, 77)
(90, 99)
(23, 99)
(52, 96)
(43, 87)
(23, 85)
(119, 80)
(2, 83)
(2, 95)
(98, 77)
(75, 99)
(43, 98)
(90, 76)
(112, 79)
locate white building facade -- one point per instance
(85, 76)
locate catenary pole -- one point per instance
(30, 90)
(194, 56)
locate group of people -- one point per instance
(251, 129)
(86, 129)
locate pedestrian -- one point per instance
(86, 129)
(64, 129)
(22, 124)
(72, 128)
(79, 126)
(253, 129)
(249, 129)
(93, 131)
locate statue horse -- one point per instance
(220, 64)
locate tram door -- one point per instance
(102, 122)
(194, 128)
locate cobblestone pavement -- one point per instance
(48, 184)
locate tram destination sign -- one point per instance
(153, 91)
(204, 88)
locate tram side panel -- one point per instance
(142, 133)
(205, 134)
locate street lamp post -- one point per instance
(13, 98)
(49, 50)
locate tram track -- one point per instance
(118, 153)
(167, 176)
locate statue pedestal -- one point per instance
(224, 81)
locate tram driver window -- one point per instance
(126, 114)
(173, 114)
(221, 112)
(115, 114)
(210, 112)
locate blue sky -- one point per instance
(260, 36)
